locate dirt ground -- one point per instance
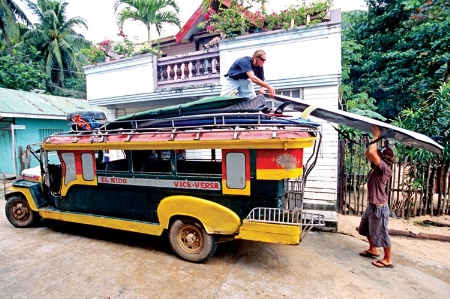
(433, 250)
(60, 260)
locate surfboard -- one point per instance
(220, 110)
(363, 123)
(209, 105)
(224, 119)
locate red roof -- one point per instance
(188, 29)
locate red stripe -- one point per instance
(279, 159)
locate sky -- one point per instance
(101, 20)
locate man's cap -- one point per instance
(386, 154)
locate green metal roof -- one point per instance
(16, 103)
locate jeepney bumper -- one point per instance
(275, 225)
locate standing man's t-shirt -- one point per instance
(241, 66)
(376, 183)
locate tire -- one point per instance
(190, 241)
(19, 213)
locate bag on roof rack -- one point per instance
(86, 120)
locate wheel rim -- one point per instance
(20, 211)
(190, 238)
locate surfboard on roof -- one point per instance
(220, 110)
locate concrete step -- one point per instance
(331, 220)
(321, 205)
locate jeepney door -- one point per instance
(78, 167)
(236, 172)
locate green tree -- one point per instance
(73, 88)
(10, 14)
(402, 54)
(21, 73)
(432, 119)
(350, 99)
(55, 37)
(397, 53)
(150, 12)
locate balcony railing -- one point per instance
(195, 68)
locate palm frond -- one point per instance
(17, 11)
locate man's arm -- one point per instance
(371, 151)
(256, 80)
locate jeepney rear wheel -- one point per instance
(190, 241)
(19, 213)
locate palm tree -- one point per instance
(10, 14)
(55, 37)
(149, 12)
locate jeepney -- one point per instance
(202, 180)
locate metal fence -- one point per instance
(414, 188)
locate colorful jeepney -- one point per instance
(201, 184)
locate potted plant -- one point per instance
(272, 21)
(228, 22)
(213, 42)
(238, 18)
(257, 19)
(297, 15)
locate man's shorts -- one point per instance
(243, 86)
(374, 225)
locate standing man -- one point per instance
(243, 73)
(374, 221)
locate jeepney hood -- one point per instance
(32, 174)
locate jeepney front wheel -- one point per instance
(19, 213)
(190, 241)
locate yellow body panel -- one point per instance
(245, 191)
(215, 218)
(132, 226)
(26, 192)
(275, 143)
(278, 174)
(268, 232)
(78, 181)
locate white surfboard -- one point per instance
(364, 124)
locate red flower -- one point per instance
(207, 17)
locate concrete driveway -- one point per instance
(60, 260)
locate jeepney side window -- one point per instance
(235, 170)
(87, 166)
(71, 172)
(199, 162)
(149, 161)
(115, 160)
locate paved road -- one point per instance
(58, 260)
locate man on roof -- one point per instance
(243, 73)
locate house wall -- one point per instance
(313, 54)
(5, 152)
(127, 76)
(31, 135)
(322, 182)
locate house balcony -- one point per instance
(195, 69)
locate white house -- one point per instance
(302, 62)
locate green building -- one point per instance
(27, 118)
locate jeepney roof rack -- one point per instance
(199, 123)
